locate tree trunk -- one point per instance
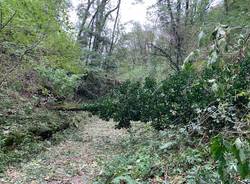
(174, 27)
(114, 28)
(226, 5)
(80, 35)
(186, 12)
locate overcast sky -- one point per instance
(129, 10)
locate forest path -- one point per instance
(73, 161)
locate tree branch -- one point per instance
(163, 53)
(8, 21)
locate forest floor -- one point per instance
(74, 160)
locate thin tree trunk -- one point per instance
(84, 19)
(178, 37)
(175, 31)
(114, 28)
(194, 9)
(226, 5)
(186, 12)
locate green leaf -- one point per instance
(244, 170)
(239, 153)
(218, 149)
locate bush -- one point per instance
(222, 150)
(181, 98)
(61, 83)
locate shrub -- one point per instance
(181, 98)
(228, 153)
(61, 83)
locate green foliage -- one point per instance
(206, 101)
(239, 150)
(138, 163)
(41, 30)
(146, 157)
(238, 8)
(181, 98)
(199, 102)
(34, 20)
(24, 128)
(63, 53)
(61, 82)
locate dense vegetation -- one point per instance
(179, 85)
(204, 102)
(208, 97)
(182, 98)
(37, 51)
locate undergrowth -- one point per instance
(181, 99)
(169, 156)
(202, 113)
(25, 129)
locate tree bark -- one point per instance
(174, 26)
(186, 12)
(84, 20)
(226, 5)
(114, 28)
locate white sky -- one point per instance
(129, 10)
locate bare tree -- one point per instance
(85, 13)
(173, 27)
(93, 33)
(177, 20)
(114, 28)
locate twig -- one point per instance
(8, 21)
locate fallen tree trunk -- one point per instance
(66, 107)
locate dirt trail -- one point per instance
(73, 161)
